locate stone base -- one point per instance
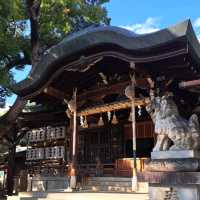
(157, 192)
(41, 184)
(173, 175)
(173, 165)
(73, 182)
(175, 154)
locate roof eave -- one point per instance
(87, 38)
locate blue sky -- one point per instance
(145, 16)
(129, 12)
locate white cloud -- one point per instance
(4, 110)
(150, 25)
(197, 23)
(198, 37)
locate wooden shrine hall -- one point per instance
(84, 123)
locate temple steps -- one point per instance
(113, 184)
(78, 195)
(106, 188)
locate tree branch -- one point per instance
(15, 110)
(18, 62)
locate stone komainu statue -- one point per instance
(173, 131)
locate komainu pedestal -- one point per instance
(173, 172)
(173, 175)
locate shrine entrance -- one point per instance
(112, 145)
(103, 143)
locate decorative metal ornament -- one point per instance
(114, 119)
(129, 92)
(100, 122)
(72, 105)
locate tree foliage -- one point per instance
(27, 29)
(40, 23)
(56, 18)
(67, 14)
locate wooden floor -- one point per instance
(81, 196)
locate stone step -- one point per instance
(113, 183)
(118, 179)
(121, 184)
(108, 188)
(13, 198)
(83, 196)
(142, 187)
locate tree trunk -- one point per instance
(33, 8)
(10, 118)
(11, 165)
(8, 123)
(15, 110)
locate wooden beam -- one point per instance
(110, 107)
(118, 88)
(189, 84)
(54, 93)
(176, 66)
(97, 93)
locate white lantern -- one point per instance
(60, 152)
(48, 132)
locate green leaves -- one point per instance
(57, 18)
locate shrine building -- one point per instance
(82, 127)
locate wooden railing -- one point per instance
(121, 168)
(91, 169)
(124, 166)
(144, 129)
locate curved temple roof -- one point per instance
(76, 44)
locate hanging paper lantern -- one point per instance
(114, 119)
(100, 122)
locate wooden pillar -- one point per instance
(134, 178)
(130, 93)
(73, 165)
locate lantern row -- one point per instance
(45, 153)
(40, 134)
